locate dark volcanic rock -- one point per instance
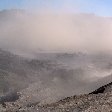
(9, 97)
(102, 89)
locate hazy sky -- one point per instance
(99, 7)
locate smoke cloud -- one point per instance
(23, 32)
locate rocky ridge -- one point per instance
(96, 101)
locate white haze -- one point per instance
(25, 33)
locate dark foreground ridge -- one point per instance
(102, 89)
(99, 100)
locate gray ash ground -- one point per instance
(96, 101)
(42, 83)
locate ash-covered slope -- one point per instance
(76, 72)
(17, 72)
(93, 102)
(51, 77)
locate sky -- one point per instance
(99, 7)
